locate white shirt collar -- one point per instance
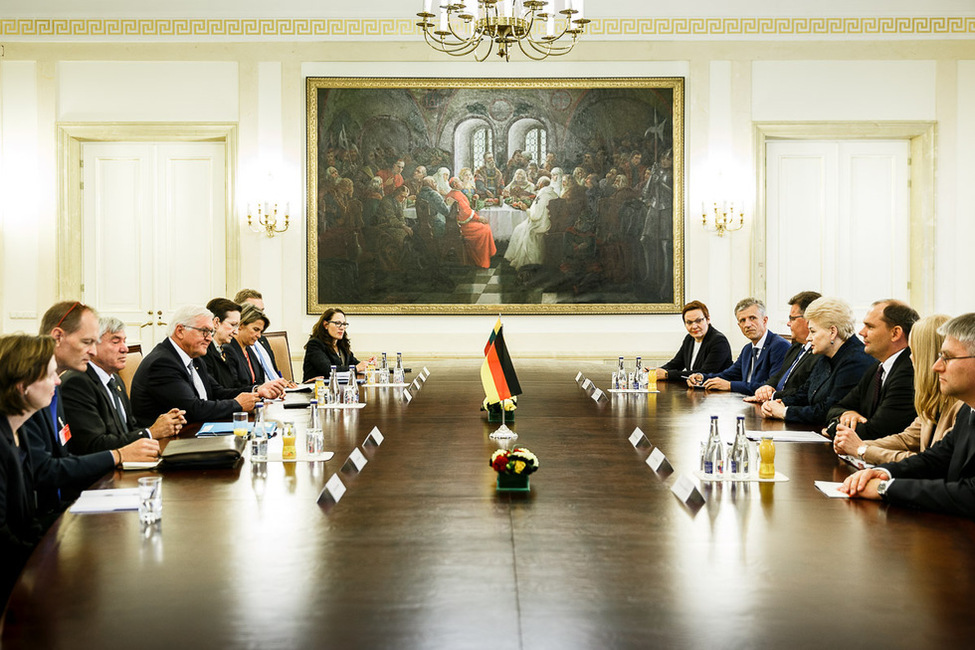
(104, 376)
(889, 363)
(182, 354)
(761, 341)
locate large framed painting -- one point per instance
(528, 196)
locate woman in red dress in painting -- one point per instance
(476, 231)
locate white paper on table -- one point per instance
(358, 459)
(587, 383)
(788, 436)
(597, 395)
(92, 501)
(656, 459)
(136, 465)
(830, 489)
(578, 376)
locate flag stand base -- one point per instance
(503, 433)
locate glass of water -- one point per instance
(150, 499)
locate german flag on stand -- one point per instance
(497, 373)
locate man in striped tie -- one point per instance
(798, 360)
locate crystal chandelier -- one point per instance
(464, 25)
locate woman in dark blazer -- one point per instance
(225, 358)
(713, 349)
(223, 368)
(841, 365)
(28, 376)
(329, 346)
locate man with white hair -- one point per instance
(95, 403)
(941, 478)
(173, 375)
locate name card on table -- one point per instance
(333, 491)
(685, 489)
(579, 377)
(637, 437)
(426, 373)
(597, 395)
(407, 396)
(416, 384)
(587, 384)
(375, 437)
(658, 462)
(356, 459)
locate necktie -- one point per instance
(788, 372)
(265, 359)
(247, 358)
(751, 370)
(201, 390)
(113, 390)
(878, 383)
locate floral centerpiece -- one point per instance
(494, 409)
(514, 467)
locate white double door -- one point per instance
(838, 215)
(154, 222)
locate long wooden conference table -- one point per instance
(421, 552)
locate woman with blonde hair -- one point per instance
(841, 365)
(935, 411)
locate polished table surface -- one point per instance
(421, 552)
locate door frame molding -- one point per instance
(922, 138)
(72, 135)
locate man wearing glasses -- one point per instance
(173, 375)
(941, 478)
(798, 360)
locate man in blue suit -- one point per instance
(758, 360)
(941, 478)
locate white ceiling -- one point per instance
(399, 8)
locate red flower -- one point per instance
(500, 463)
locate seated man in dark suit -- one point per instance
(95, 402)
(882, 404)
(173, 375)
(704, 349)
(941, 478)
(798, 360)
(59, 475)
(758, 360)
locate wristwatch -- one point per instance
(861, 450)
(882, 488)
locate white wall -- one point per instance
(261, 87)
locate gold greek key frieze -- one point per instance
(406, 28)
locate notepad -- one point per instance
(117, 500)
(788, 436)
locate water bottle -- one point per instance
(259, 439)
(333, 386)
(314, 438)
(384, 371)
(399, 377)
(621, 372)
(355, 391)
(714, 454)
(739, 451)
(638, 367)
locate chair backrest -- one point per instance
(282, 352)
(132, 362)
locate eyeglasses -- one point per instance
(945, 358)
(793, 319)
(205, 331)
(338, 323)
(699, 321)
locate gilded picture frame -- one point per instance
(603, 234)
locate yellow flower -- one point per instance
(519, 466)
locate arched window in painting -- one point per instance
(482, 141)
(536, 145)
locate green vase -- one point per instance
(514, 483)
